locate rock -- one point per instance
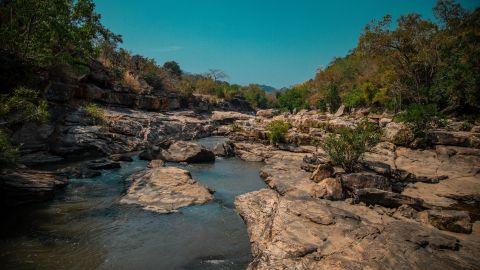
(383, 122)
(151, 153)
(165, 189)
(291, 233)
(330, 189)
(448, 220)
(373, 196)
(156, 163)
(321, 172)
(340, 111)
(381, 159)
(353, 181)
(103, 164)
(222, 117)
(39, 158)
(121, 157)
(81, 171)
(183, 151)
(24, 186)
(454, 138)
(225, 149)
(268, 113)
(398, 134)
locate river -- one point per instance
(85, 227)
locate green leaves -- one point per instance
(23, 106)
(277, 130)
(349, 144)
(48, 32)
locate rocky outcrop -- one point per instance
(190, 152)
(165, 190)
(24, 186)
(292, 233)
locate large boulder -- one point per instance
(398, 134)
(165, 189)
(190, 152)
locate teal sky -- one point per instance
(273, 42)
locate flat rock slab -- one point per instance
(292, 233)
(165, 189)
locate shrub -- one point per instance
(8, 153)
(420, 118)
(277, 130)
(346, 147)
(22, 106)
(94, 112)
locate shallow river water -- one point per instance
(86, 228)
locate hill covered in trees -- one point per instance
(414, 61)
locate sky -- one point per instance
(274, 42)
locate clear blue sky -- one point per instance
(273, 42)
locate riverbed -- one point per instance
(86, 227)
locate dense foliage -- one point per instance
(277, 130)
(346, 147)
(95, 113)
(416, 62)
(48, 32)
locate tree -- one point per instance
(216, 74)
(48, 32)
(411, 48)
(173, 68)
(256, 96)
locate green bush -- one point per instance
(346, 147)
(94, 112)
(420, 118)
(23, 105)
(277, 130)
(8, 153)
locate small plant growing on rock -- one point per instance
(277, 130)
(346, 147)
(94, 112)
(8, 153)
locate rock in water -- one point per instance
(183, 151)
(27, 186)
(165, 189)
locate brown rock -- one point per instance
(165, 189)
(183, 151)
(321, 172)
(448, 220)
(330, 189)
(372, 196)
(156, 163)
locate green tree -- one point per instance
(173, 68)
(294, 98)
(48, 32)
